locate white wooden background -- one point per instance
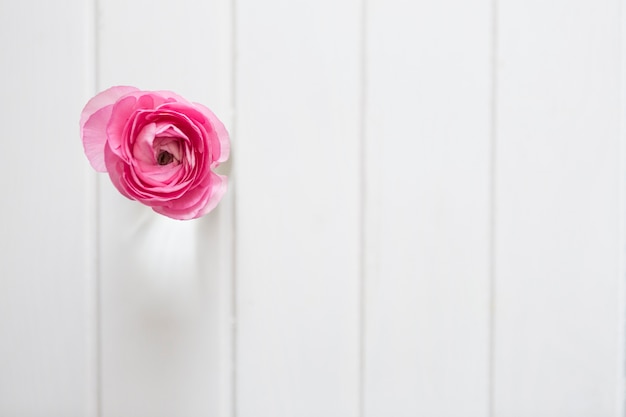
(425, 218)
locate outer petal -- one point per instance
(95, 138)
(159, 97)
(210, 197)
(219, 187)
(93, 122)
(120, 114)
(102, 99)
(116, 167)
(170, 95)
(221, 132)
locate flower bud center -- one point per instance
(164, 158)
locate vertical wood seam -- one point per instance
(492, 211)
(95, 58)
(362, 210)
(233, 289)
(621, 378)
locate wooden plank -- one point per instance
(428, 123)
(297, 150)
(559, 273)
(47, 362)
(166, 285)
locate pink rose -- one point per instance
(158, 149)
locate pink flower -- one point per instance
(158, 149)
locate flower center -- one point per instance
(164, 158)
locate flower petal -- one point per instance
(223, 152)
(115, 167)
(198, 202)
(102, 99)
(143, 152)
(218, 189)
(93, 122)
(94, 137)
(120, 115)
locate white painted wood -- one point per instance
(559, 307)
(47, 365)
(428, 124)
(166, 302)
(166, 285)
(297, 151)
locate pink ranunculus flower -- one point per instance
(158, 149)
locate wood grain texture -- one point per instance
(166, 285)
(46, 299)
(559, 311)
(429, 216)
(428, 125)
(297, 207)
